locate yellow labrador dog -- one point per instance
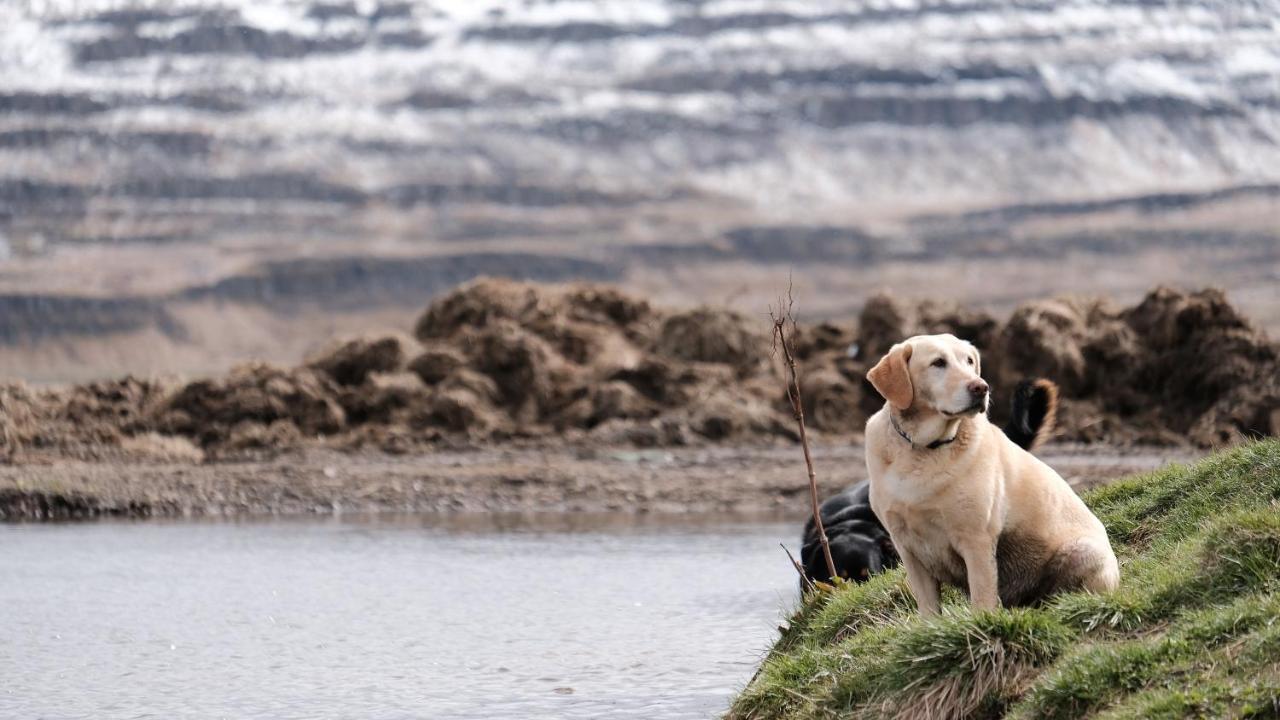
(963, 504)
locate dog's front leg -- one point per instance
(923, 585)
(979, 557)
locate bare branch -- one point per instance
(804, 579)
(781, 318)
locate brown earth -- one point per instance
(709, 479)
(498, 361)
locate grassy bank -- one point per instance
(1193, 630)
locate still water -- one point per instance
(408, 617)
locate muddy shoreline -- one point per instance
(534, 480)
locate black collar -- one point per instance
(931, 446)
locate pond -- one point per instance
(488, 616)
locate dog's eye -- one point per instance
(939, 363)
(970, 361)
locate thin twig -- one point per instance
(781, 318)
(804, 579)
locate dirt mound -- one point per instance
(477, 304)
(437, 363)
(1049, 338)
(713, 335)
(86, 422)
(580, 359)
(1178, 366)
(598, 303)
(885, 321)
(248, 402)
(611, 400)
(383, 399)
(977, 326)
(1212, 375)
(809, 341)
(831, 401)
(527, 371)
(352, 361)
(16, 419)
(498, 360)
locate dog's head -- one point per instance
(932, 374)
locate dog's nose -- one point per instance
(978, 388)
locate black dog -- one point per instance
(860, 546)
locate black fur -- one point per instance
(1032, 413)
(860, 546)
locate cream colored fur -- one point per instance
(979, 512)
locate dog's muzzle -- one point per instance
(979, 392)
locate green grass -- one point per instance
(1193, 631)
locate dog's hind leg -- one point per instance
(1086, 564)
(1106, 577)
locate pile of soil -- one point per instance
(505, 359)
(81, 421)
(1176, 368)
(498, 360)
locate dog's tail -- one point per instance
(1033, 413)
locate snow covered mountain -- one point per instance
(157, 147)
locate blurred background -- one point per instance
(185, 185)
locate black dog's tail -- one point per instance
(1034, 411)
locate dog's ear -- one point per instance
(891, 377)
